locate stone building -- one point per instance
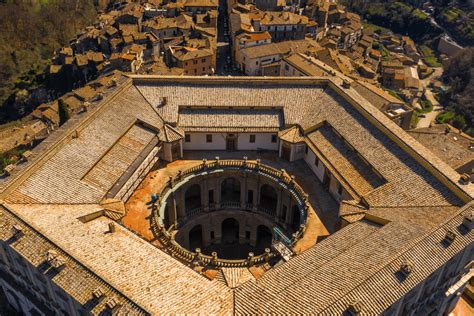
(403, 243)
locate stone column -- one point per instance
(217, 192)
(253, 235)
(181, 147)
(181, 205)
(289, 211)
(243, 192)
(242, 228)
(204, 195)
(256, 196)
(173, 216)
(206, 232)
(279, 203)
(218, 230)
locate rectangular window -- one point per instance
(306, 150)
(247, 235)
(187, 138)
(203, 60)
(211, 196)
(316, 160)
(212, 234)
(274, 138)
(252, 139)
(208, 138)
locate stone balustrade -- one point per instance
(279, 177)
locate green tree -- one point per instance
(63, 112)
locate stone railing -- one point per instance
(279, 176)
(198, 258)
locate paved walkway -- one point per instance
(437, 108)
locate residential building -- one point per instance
(265, 59)
(193, 61)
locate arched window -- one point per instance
(230, 231)
(230, 190)
(264, 238)
(268, 198)
(192, 198)
(195, 237)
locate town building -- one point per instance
(265, 59)
(193, 61)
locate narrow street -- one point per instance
(437, 108)
(224, 66)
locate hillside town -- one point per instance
(253, 38)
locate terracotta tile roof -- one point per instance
(406, 217)
(292, 135)
(452, 147)
(74, 278)
(281, 48)
(230, 119)
(200, 3)
(170, 134)
(355, 169)
(189, 53)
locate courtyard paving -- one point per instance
(321, 222)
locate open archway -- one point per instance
(192, 198)
(230, 231)
(296, 218)
(268, 198)
(195, 237)
(230, 190)
(264, 238)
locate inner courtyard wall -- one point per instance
(198, 141)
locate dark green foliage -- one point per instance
(63, 112)
(398, 16)
(459, 74)
(31, 31)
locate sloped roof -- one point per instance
(406, 216)
(171, 134)
(292, 135)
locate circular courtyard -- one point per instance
(229, 209)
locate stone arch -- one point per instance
(264, 238)
(295, 218)
(268, 198)
(195, 237)
(166, 218)
(192, 198)
(230, 231)
(230, 190)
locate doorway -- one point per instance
(285, 151)
(231, 142)
(175, 150)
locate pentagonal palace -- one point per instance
(233, 195)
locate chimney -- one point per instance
(449, 237)
(17, 231)
(112, 228)
(406, 268)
